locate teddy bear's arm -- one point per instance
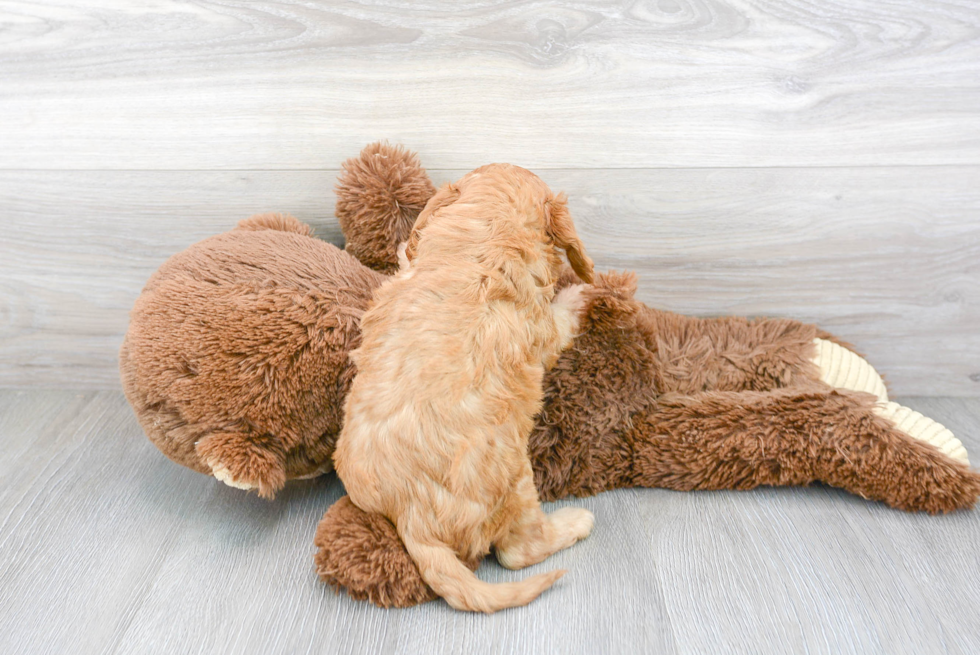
(362, 554)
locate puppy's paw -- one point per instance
(570, 305)
(403, 263)
(572, 299)
(577, 522)
(245, 461)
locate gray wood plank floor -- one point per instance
(107, 547)
(888, 258)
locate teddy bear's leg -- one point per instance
(741, 440)
(923, 429)
(363, 554)
(245, 460)
(844, 369)
(730, 353)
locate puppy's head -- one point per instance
(530, 191)
(541, 208)
(558, 226)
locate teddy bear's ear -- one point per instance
(379, 195)
(559, 226)
(444, 197)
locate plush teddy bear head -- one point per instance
(236, 360)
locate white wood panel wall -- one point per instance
(779, 157)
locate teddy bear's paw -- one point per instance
(363, 554)
(923, 428)
(843, 369)
(224, 474)
(244, 461)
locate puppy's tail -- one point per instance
(448, 577)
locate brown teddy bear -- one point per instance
(236, 363)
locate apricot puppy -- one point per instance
(450, 369)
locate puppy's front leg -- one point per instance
(568, 307)
(403, 263)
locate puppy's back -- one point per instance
(450, 374)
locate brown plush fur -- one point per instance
(386, 580)
(651, 398)
(450, 369)
(237, 351)
(643, 397)
(379, 195)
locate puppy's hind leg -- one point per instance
(532, 536)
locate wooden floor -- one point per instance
(107, 547)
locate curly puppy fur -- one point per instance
(236, 363)
(449, 380)
(379, 196)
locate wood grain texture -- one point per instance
(180, 85)
(886, 258)
(78, 247)
(107, 547)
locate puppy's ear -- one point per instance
(561, 229)
(444, 197)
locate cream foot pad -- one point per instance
(923, 428)
(220, 472)
(841, 368)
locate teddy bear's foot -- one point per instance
(224, 474)
(923, 428)
(362, 553)
(245, 461)
(843, 369)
